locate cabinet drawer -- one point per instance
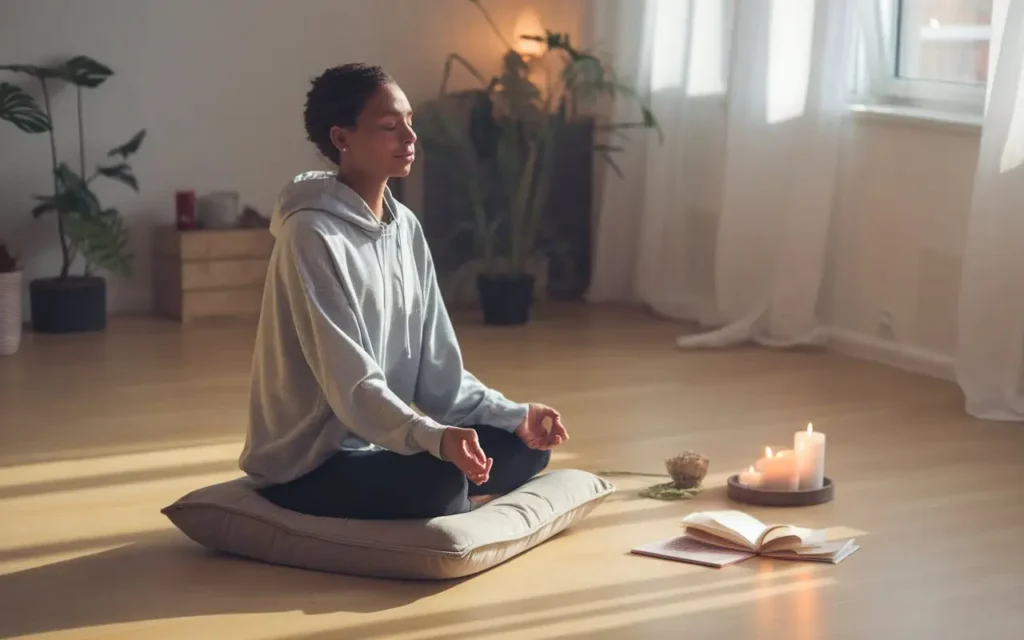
(238, 303)
(215, 274)
(214, 244)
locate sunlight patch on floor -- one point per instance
(59, 518)
(559, 456)
(631, 607)
(80, 469)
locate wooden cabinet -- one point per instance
(210, 273)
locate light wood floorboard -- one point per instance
(98, 432)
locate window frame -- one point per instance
(876, 76)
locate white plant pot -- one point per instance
(10, 312)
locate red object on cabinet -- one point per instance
(185, 209)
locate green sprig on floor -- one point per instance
(664, 491)
(668, 491)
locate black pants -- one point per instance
(374, 485)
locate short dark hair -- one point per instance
(336, 98)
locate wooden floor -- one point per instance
(99, 432)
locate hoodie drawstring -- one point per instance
(394, 228)
(401, 283)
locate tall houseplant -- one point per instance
(68, 302)
(505, 146)
(10, 302)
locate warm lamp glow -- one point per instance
(529, 24)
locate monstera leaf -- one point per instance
(31, 69)
(18, 108)
(129, 147)
(83, 71)
(102, 239)
(98, 233)
(74, 194)
(122, 173)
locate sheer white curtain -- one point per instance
(990, 358)
(726, 222)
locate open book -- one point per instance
(722, 538)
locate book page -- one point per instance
(716, 540)
(778, 537)
(734, 526)
(686, 549)
(832, 552)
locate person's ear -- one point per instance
(338, 139)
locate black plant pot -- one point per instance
(71, 305)
(505, 297)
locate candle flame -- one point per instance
(810, 428)
(751, 468)
(767, 452)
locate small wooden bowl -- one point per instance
(773, 498)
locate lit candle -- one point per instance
(778, 471)
(810, 456)
(751, 478)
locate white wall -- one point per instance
(219, 84)
(897, 239)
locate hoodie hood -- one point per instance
(322, 191)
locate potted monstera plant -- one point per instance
(71, 302)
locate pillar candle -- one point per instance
(778, 471)
(751, 478)
(810, 455)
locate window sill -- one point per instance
(960, 122)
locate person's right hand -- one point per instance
(462, 448)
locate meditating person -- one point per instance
(353, 333)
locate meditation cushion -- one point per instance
(233, 518)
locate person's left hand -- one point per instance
(537, 436)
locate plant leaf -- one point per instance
(32, 70)
(122, 173)
(83, 71)
(73, 193)
(605, 151)
(129, 147)
(46, 205)
(18, 108)
(454, 57)
(102, 239)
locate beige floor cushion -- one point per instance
(232, 518)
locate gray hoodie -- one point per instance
(352, 332)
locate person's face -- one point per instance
(382, 144)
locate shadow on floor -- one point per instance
(161, 575)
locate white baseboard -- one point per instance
(894, 354)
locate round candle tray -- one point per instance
(773, 498)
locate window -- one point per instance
(929, 53)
